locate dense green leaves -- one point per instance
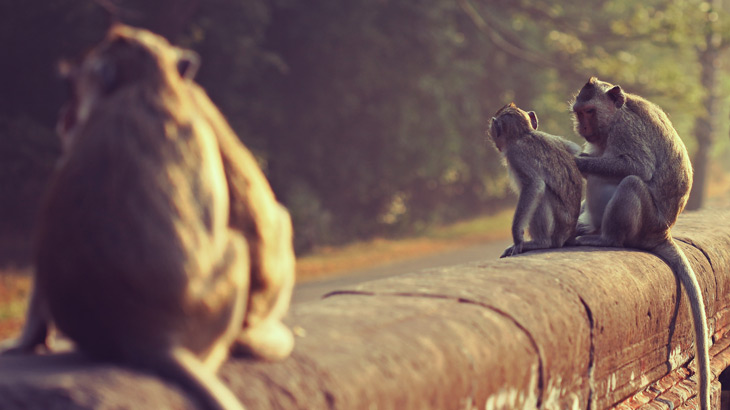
(369, 116)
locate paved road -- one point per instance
(314, 290)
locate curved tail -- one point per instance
(676, 259)
(183, 368)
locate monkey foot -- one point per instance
(592, 240)
(17, 349)
(269, 340)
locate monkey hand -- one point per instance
(513, 250)
(583, 162)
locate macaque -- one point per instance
(160, 244)
(638, 180)
(544, 174)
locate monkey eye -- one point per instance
(590, 111)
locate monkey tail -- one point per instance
(182, 367)
(677, 260)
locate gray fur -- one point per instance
(638, 180)
(544, 174)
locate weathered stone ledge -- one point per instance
(575, 328)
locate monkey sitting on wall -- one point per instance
(543, 172)
(638, 180)
(160, 243)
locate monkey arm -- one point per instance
(255, 211)
(530, 197)
(618, 167)
(251, 197)
(569, 146)
(266, 225)
(572, 147)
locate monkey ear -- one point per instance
(616, 94)
(533, 119)
(188, 63)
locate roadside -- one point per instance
(336, 261)
(313, 290)
(15, 283)
(14, 293)
(358, 261)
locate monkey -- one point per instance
(264, 222)
(159, 243)
(544, 174)
(638, 180)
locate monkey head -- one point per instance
(126, 57)
(510, 123)
(594, 107)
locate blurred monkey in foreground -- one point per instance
(543, 172)
(160, 243)
(638, 180)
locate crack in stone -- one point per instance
(347, 292)
(691, 243)
(541, 367)
(694, 245)
(591, 358)
(329, 398)
(540, 362)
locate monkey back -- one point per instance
(135, 219)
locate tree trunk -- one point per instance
(703, 130)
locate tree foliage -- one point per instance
(368, 116)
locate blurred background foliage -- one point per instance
(368, 116)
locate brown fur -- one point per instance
(160, 243)
(263, 222)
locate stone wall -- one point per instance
(574, 328)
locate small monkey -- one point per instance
(160, 243)
(543, 172)
(638, 180)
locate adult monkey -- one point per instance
(140, 250)
(638, 180)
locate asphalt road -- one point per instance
(314, 290)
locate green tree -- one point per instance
(633, 44)
(369, 117)
(383, 113)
